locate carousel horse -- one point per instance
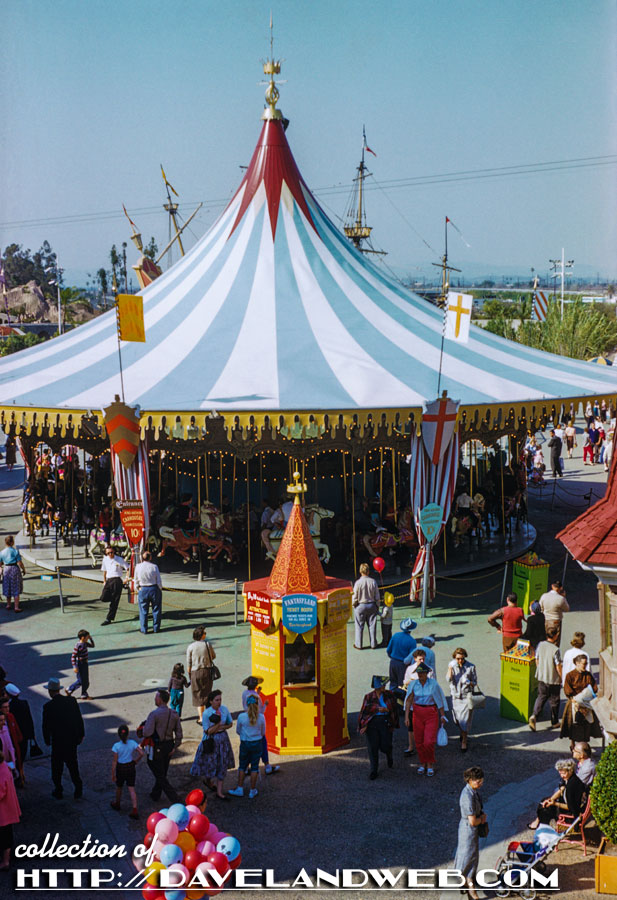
(97, 545)
(33, 515)
(186, 544)
(382, 540)
(313, 514)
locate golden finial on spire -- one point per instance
(296, 488)
(272, 67)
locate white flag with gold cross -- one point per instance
(458, 316)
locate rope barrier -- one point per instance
(174, 590)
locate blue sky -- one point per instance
(97, 95)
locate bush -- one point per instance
(604, 793)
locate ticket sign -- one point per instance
(339, 607)
(132, 518)
(299, 612)
(431, 517)
(258, 610)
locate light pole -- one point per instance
(558, 268)
(57, 281)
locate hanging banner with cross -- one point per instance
(438, 424)
(458, 316)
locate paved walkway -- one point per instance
(317, 811)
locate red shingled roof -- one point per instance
(592, 537)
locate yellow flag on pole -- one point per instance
(458, 316)
(130, 313)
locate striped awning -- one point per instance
(274, 311)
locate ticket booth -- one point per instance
(298, 619)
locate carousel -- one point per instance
(274, 345)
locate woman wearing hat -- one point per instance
(426, 702)
(378, 719)
(252, 690)
(463, 679)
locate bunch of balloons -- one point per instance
(182, 839)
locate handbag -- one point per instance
(476, 700)
(214, 670)
(483, 830)
(442, 737)
(35, 750)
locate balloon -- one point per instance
(378, 564)
(178, 867)
(153, 820)
(203, 869)
(193, 858)
(152, 872)
(213, 829)
(179, 814)
(139, 862)
(229, 847)
(175, 894)
(195, 798)
(195, 895)
(185, 841)
(206, 848)
(219, 861)
(148, 838)
(151, 892)
(164, 812)
(193, 810)
(388, 598)
(234, 863)
(171, 854)
(166, 830)
(199, 827)
(218, 836)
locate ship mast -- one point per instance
(357, 230)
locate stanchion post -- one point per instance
(60, 594)
(235, 602)
(425, 582)
(505, 578)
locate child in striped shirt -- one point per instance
(79, 661)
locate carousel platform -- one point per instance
(74, 561)
(469, 557)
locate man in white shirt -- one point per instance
(149, 586)
(114, 571)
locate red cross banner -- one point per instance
(458, 316)
(438, 423)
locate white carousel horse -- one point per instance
(313, 514)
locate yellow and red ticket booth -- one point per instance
(298, 619)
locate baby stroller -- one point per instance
(523, 856)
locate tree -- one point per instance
(151, 249)
(585, 331)
(604, 793)
(21, 266)
(116, 265)
(101, 277)
(19, 342)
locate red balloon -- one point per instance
(219, 861)
(198, 827)
(195, 798)
(148, 840)
(192, 859)
(153, 819)
(234, 863)
(151, 892)
(378, 564)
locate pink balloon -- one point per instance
(206, 848)
(194, 810)
(217, 837)
(203, 868)
(166, 830)
(213, 829)
(179, 867)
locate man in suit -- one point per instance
(63, 728)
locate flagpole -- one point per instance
(425, 583)
(115, 290)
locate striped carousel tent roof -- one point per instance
(274, 310)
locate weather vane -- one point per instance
(272, 67)
(296, 488)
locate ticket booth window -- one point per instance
(299, 663)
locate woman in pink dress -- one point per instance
(10, 813)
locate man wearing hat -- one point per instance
(63, 728)
(377, 720)
(400, 646)
(251, 683)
